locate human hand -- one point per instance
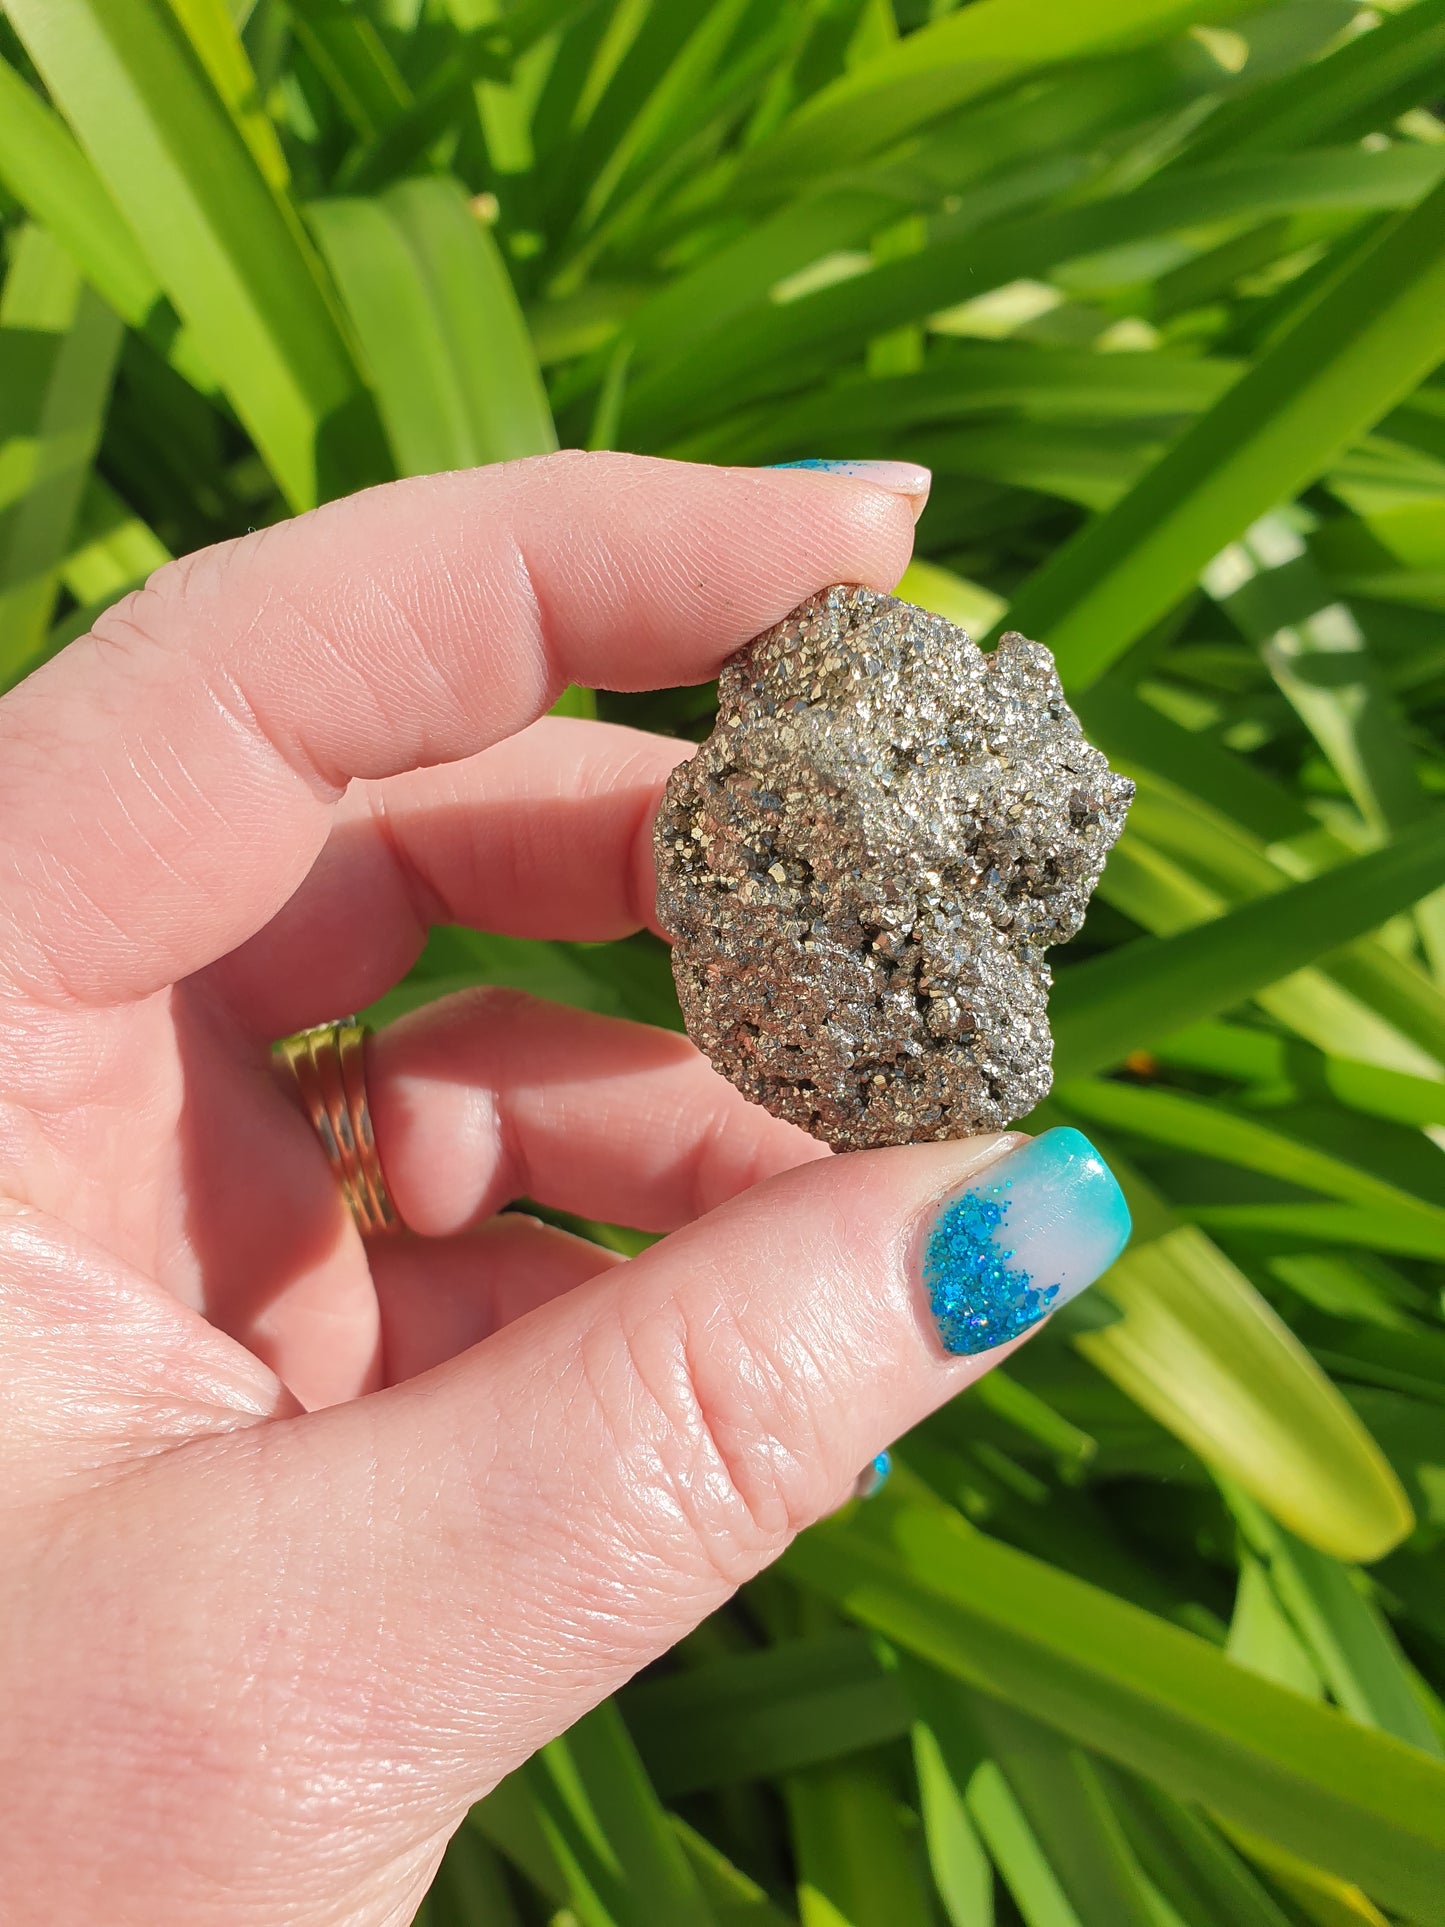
(304, 1543)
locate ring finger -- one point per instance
(491, 1095)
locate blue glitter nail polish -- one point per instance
(1031, 1232)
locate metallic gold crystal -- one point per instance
(862, 867)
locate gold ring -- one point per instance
(328, 1063)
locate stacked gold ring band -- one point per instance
(328, 1063)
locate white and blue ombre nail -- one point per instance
(873, 1477)
(1029, 1233)
(900, 478)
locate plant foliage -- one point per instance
(1149, 1630)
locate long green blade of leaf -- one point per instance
(983, 47)
(226, 249)
(777, 344)
(1366, 342)
(1159, 984)
(1139, 1691)
(625, 1865)
(1344, 1633)
(855, 1864)
(58, 345)
(1199, 1349)
(455, 373)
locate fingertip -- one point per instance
(909, 481)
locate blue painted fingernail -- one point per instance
(871, 1479)
(901, 478)
(1031, 1232)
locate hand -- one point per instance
(304, 1543)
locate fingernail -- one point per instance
(910, 479)
(1031, 1232)
(871, 1479)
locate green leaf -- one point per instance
(1066, 1803)
(1358, 88)
(1200, 1350)
(737, 1900)
(1301, 1225)
(58, 344)
(352, 58)
(791, 1706)
(777, 345)
(438, 320)
(624, 1865)
(456, 378)
(1359, 349)
(211, 29)
(226, 248)
(984, 47)
(470, 1886)
(1212, 1130)
(113, 551)
(1141, 1692)
(956, 1855)
(1190, 1865)
(1317, 653)
(1156, 985)
(50, 177)
(856, 1866)
(1346, 1636)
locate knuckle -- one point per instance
(715, 1438)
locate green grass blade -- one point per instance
(1299, 1226)
(1317, 653)
(227, 251)
(470, 1887)
(1201, 1351)
(1156, 985)
(114, 551)
(856, 1867)
(352, 58)
(960, 1866)
(1211, 1129)
(58, 345)
(779, 344)
(1358, 88)
(1345, 1634)
(455, 374)
(471, 291)
(1139, 1691)
(1138, 738)
(791, 1706)
(736, 1899)
(50, 177)
(624, 1864)
(399, 332)
(1195, 1870)
(965, 54)
(211, 29)
(1360, 349)
(1060, 1792)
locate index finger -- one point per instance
(166, 782)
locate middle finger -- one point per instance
(490, 1095)
(547, 834)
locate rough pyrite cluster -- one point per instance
(862, 867)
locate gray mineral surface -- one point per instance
(862, 866)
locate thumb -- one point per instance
(315, 1639)
(545, 1514)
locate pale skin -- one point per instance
(305, 1542)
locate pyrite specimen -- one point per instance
(862, 867)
